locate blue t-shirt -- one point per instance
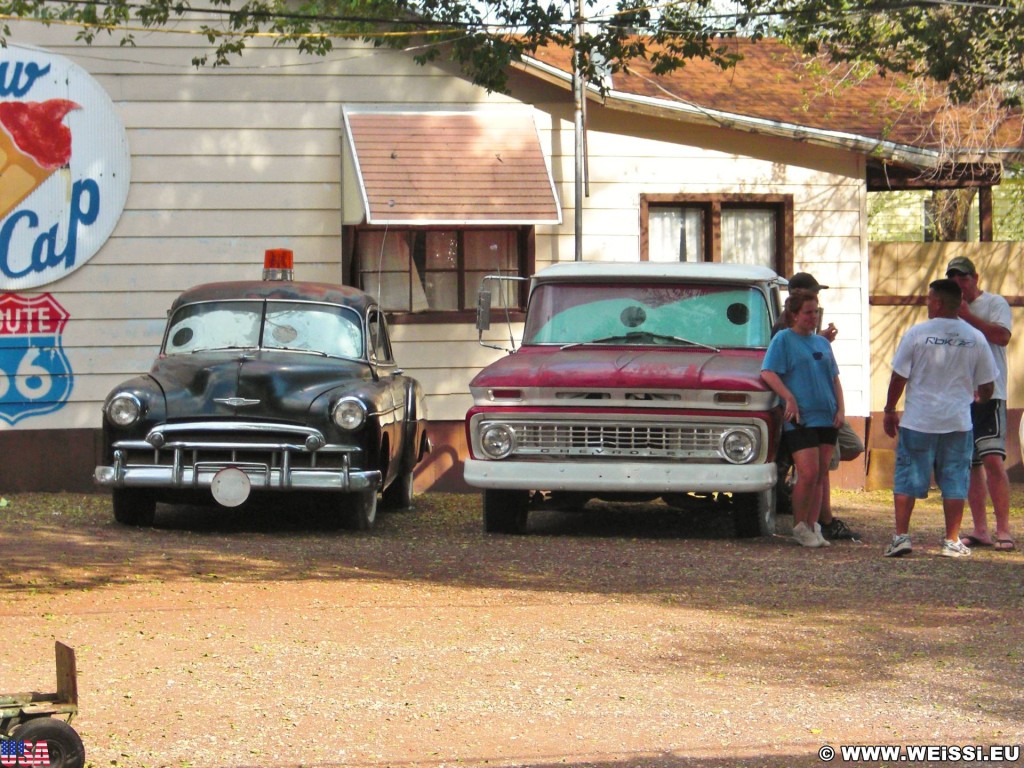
(808, 368)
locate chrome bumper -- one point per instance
(262, 476)
(647, 477)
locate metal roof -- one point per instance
(451, 168)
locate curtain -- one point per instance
(675, 234)
(748, 236)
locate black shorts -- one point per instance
(802, 438)
(989, 420)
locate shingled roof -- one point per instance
(776, 90)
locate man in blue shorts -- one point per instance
(940, 364)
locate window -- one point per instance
(429, 271)
(380, 346)
(738, 229)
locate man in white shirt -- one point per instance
(940, 364)
(990, 314)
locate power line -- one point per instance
(426, 26)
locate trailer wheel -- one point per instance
(62, 741)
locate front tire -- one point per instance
(134, 507)
(362, 510)
(506, 511)
(754, 514)
(399, 494)
(62, 741)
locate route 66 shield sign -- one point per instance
(35, 375)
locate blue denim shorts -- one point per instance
(918, 454)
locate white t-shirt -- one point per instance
(944, 361)
(993, 308)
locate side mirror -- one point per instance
(483, 310)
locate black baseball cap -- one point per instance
(805, 281)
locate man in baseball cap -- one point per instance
(960, 266)
(990, 314)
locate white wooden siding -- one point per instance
(229, 162)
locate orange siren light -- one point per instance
(277, 264)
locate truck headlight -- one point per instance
(124, 409)
(349, 413)
(497, 441)
(738, 446)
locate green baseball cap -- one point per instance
(961, 264)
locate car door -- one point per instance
(393, 382)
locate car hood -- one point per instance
(591, 367)
(279, 386)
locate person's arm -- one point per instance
(985, 392)
(891, 419)
(837, 422)
(791, 410)
(993, 332)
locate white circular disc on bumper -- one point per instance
(230, 487)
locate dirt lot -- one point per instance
(629, 637)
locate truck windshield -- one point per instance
(651, 314)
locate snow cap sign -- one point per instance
(64, 167)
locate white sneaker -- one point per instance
(804, 536)
(817, 532)
(954, 549)
(899, 546)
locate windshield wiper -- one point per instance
(300, 350)
(221, 349)
(635, 336)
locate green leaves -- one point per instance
(970, 48)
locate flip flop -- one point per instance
(974, 541)
(1003, 545)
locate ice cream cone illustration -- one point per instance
(34, 144)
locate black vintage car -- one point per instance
(267, 386)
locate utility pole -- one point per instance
(579, 95)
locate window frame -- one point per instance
(525, 235)
(712, 206)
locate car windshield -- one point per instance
(648, 314)
(322, 329)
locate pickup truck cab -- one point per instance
(632, 381)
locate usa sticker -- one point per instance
(21, 753)
(35, 375)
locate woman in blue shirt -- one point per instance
(800, 368)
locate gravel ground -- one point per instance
(633, 636)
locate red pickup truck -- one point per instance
(632, 381)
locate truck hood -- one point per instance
(250, 385)
(644, 368)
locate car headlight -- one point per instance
(497, 441)
(738, 446)
(124, 410)
(349, 413)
